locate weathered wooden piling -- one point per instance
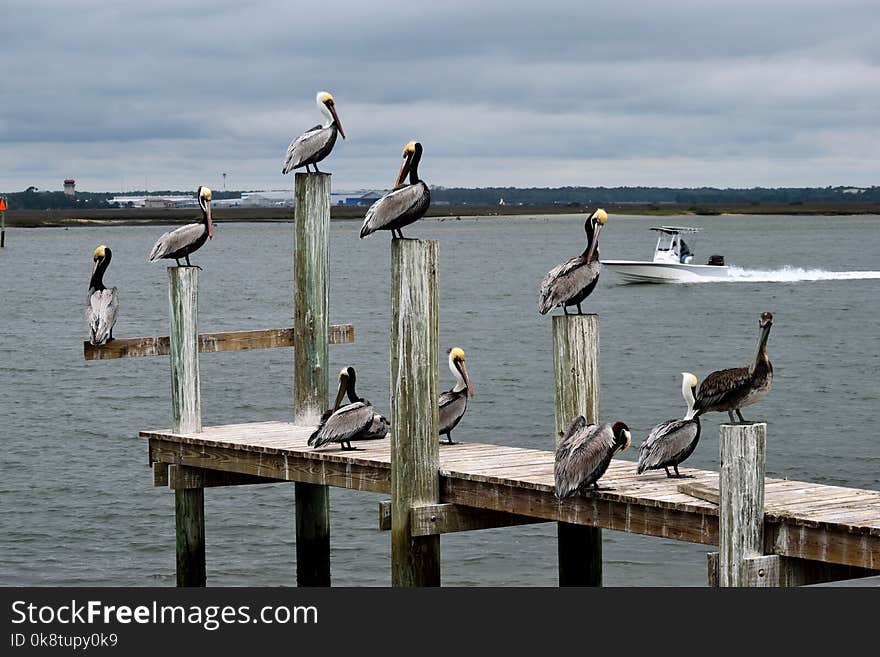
(310, 363)
(741, 508)
(415, 459)
(576, 376)
(189, 504)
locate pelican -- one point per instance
(453, 403)
(102, 304)
(181, 242)
(573, 281)
(405, 203)
(315, 144)
(673, 441)
(729, 390)
(355, 421)
(584, 453)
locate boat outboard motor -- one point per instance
(716, 260)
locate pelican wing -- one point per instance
(343, 425)
(565, 281)
(452, 406)
(101, 310)
(669, 442)
(719, 386)
(402, 203)
(377, 430)
(581, 457)
(307, 145)
(174, 240)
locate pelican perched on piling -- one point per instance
(673, 441)
(315, 144)
(102, 304)
(453, 403)
(584, 454)
(355, 421)
(731, 389)
(405, 203)
(573, 281)
(183, 241)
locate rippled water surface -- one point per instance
(77, 505)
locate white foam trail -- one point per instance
(792, 275)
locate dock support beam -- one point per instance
(415, 457)
(186, 417)
(310, 363)
(741, 508)
(576, 376)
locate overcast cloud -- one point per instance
(672, 93)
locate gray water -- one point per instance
(78, 506)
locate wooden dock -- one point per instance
(770, 532)
(830, 524)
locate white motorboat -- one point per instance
(673, 261)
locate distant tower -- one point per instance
(224, 182)
(69, 185)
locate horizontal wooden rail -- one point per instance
(210, 342)
(435, 519)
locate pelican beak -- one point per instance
(210, 222)
(332, 108)
(404, 170)
(467, 380)
(594, 242)
(343, 381)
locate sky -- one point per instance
(170, 94)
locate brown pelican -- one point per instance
(315, 144)
(671, 442)
(354, 421)
(179, 243)
(573, 281)
(405, 203)
(729, 390)
(102, 304)
(584, 453)
(453, 403)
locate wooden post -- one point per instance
(310, 326)
(741, 511)
(186, 417)
(576, 375)
(415, 457)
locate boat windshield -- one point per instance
(671, 245)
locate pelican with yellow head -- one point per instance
(102, 304)
(315, 144)
(183, 241)
(404, 204)
(453, 403)
(574, 280)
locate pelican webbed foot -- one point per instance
(449, 440)
(349, 448)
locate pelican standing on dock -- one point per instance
(584, 454)
(573, 281)
(673, 441)
(405, 203)
(183, 241)
(453, 403)
(731, 389)
(102, 304)
(357, 420)
(315, 144)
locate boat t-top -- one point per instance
(673, 261)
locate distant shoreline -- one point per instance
(152, 216)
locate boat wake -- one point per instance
(791, 275)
